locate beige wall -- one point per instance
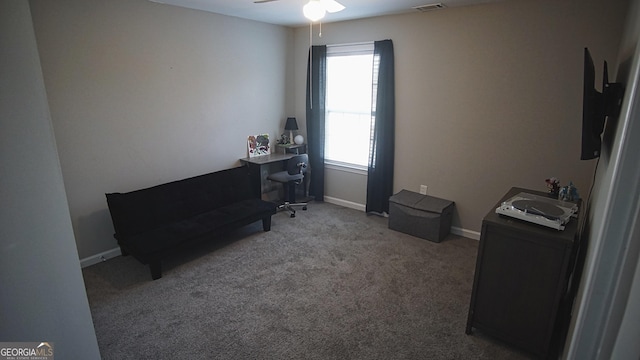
(487, 97)
(143, 93)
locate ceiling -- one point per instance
(289, 12)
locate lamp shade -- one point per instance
(291, 124)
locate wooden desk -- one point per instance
(292, 148)
(261, 166)
(266, 159)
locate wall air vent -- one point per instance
(429, 7)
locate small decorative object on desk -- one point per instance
(284, 139)
(258, 145)
(568, 193)
(553, 185)
(299, 140)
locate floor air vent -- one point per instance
(429, 7)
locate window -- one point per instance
(348, 118)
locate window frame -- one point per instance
(365, 48)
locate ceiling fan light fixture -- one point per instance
(332, 5)
(313, 10)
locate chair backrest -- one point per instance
(298, 164)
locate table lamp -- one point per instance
(291, 125)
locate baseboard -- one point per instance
(103, 256)
(106, 255)
(465, 233)
(345, 203)
(109, 254)
(348, 204)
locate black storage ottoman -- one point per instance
(423, 216)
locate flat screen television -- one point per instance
(597, 107)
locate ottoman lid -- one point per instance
(420, 202)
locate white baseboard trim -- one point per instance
(349, 204)
(109, 254)
(465, 233)
(103, 256)
(345, 203)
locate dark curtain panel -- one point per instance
(316, 88)
(380, 175)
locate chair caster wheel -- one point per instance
(304, 208)
(293, 215)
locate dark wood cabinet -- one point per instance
(520, 288)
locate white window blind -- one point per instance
(348, 117)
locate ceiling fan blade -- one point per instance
(263, 1)
(332, 5)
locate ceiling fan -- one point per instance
(315, 10)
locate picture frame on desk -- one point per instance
(258, 145)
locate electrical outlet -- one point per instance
(423, 189)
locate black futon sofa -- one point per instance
(152, 223)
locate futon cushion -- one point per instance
(206, 224)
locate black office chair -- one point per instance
(294, 175)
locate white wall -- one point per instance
(143, 93)
(610, 273)
(487, 97)
(42, 296)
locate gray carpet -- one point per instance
(333, 283)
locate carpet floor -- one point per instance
(332, 283)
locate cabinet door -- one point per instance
(518, 287)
